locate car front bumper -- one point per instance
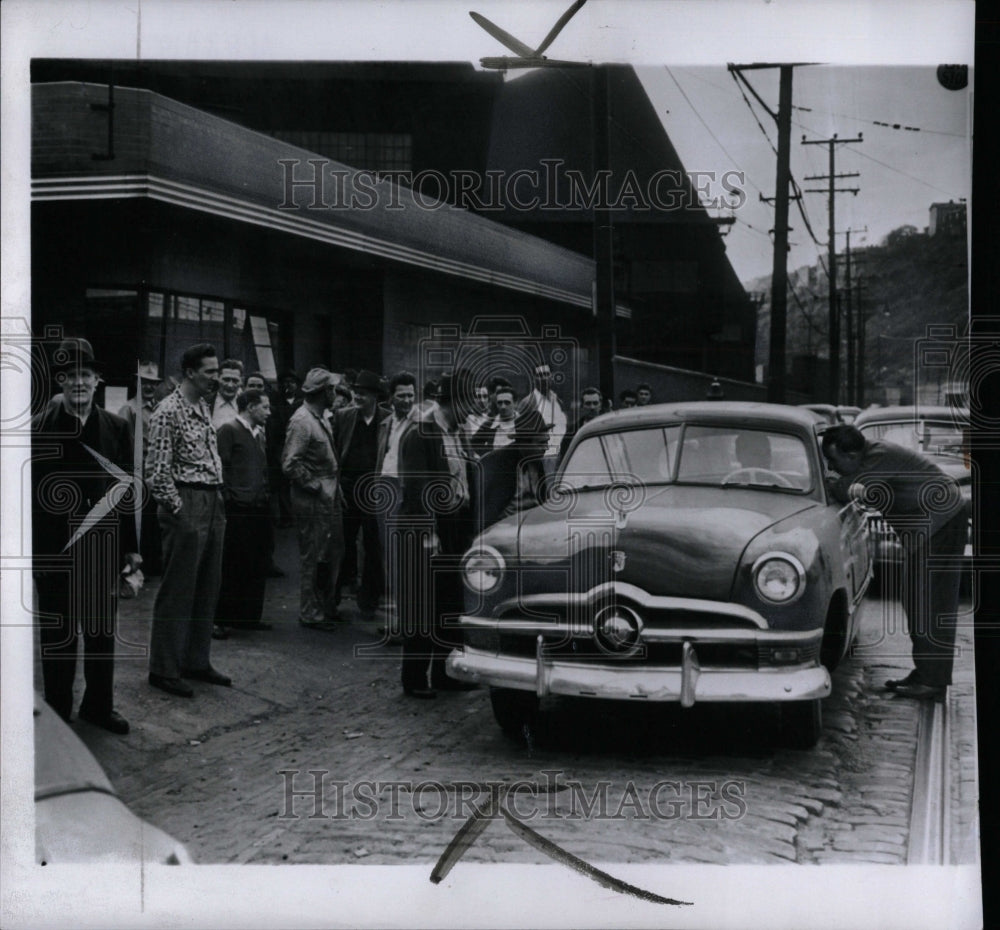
(686, 684)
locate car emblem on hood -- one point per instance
(617, 560)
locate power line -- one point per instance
(877, 161)
(694, 110)
(886, 124)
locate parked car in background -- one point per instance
(833, 414)
(78, 816)
(940, 433)
(688, 553)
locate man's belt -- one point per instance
(198, 486)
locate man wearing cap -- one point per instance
(142, 404)
(83, 535)
(355, 437)
(310, 464)
(547, 403)
(185, 473)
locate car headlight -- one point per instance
(482, 569)
(778, 577)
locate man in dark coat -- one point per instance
(288, 401)
(431, 532)
(591, 404)
(246, 550)
(925, 508)
(509, 448)
(355, 436)
(84, 497)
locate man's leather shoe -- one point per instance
(209, 675)
(893, 683)
(219, 631)
(113, 722)
(324, 626)
(453, 684)
(176, 686)
(424, 693)
(919, 690)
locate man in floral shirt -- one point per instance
(184, 472)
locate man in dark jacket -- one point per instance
(925, 508)
(246, 550)
(84, 497)
(509, 447)
(355, 436)
(432, 530)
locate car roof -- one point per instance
(747, 413)
(911, 414)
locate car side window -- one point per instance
(587, 466)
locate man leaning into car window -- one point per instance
(924, 507)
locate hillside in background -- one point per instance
(912, 291)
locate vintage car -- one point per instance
(942, 435)
(79, 817)
(687, 553)
(832, 413)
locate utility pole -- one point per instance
(831, 143)
(604, 286)
(860, 401)
(776, 380)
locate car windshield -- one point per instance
(725, 456)
(932, 437)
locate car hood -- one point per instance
(676, 540)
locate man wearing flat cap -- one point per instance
(83, 535)
(310, 464)
(355, 437)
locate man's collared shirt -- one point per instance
(182, 448)
(550, 408)
(223, 411)
(457, 457)
(504, 433)
(256, 431)
(390, 464)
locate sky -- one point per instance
(900, 172)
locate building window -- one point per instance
(374, 151)
(259, 338)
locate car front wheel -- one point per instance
(516, 711)
(801, 723)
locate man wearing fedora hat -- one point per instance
(141, 405)
(355, 435)
(83, 535)
(310, 464)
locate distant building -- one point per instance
(947, 219)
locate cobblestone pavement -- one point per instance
(228, 772)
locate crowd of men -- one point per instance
(343, 459)
(385, 492)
